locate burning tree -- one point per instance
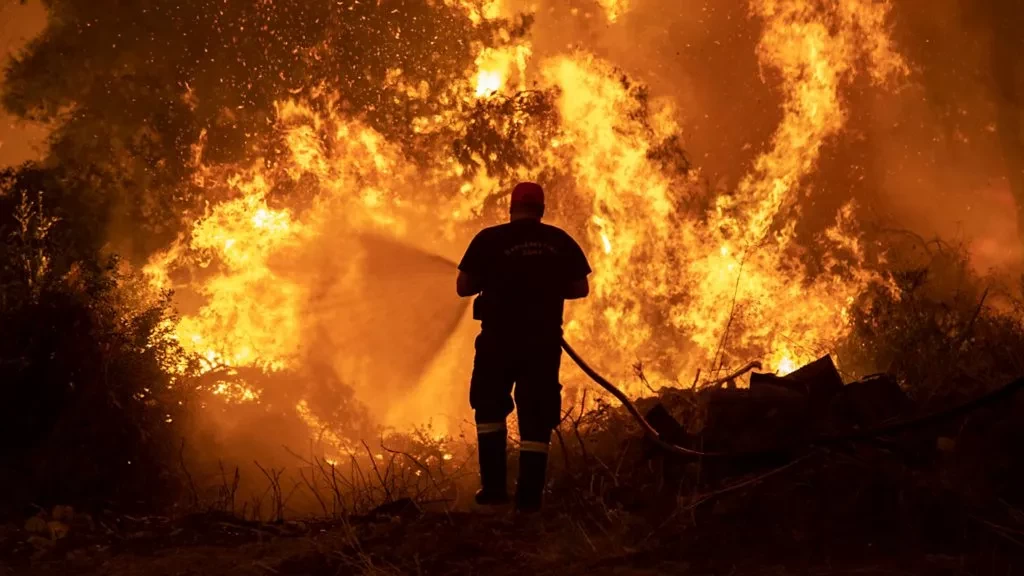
(271, 133)
(241, 157)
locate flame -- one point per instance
(322, 432)
(752, 280)
(478, 11)
(495, 67)
(246, 294)
(631, 198)
(786, 366)
(613, 9)
(684, 282)
(814, 48)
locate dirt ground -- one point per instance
(479, 542)
(919, 504)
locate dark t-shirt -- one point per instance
(524, 268)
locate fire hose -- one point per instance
(649, 431)
(1004, 393)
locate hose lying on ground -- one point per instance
(649, 430)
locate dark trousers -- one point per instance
(519, 364)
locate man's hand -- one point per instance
(467, 285)
(577, 289)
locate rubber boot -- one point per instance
(532, 475)
(493, 469)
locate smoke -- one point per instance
(19, 22)
(250, 156)
(701, 55)
(938, 157)
(943, 168)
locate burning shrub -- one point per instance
(92, 417)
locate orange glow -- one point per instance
(478, 10)
(245, 296)
(495, 68)
(688, 290)
(613, 9)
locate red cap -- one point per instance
(528, 193)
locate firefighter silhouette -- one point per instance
(521, 273)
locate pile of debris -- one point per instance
(777, 418)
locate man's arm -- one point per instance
(578, 269)
(473, 267)
(577, 289)
(467, 284)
